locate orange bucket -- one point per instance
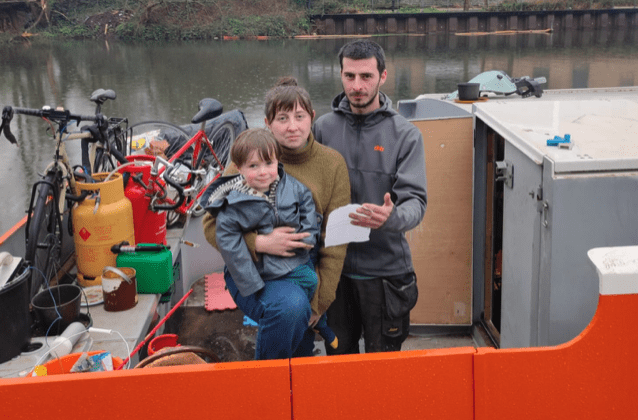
(64, 364)
(161, 341)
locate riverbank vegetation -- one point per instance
(162, 19)
(513, 5)
(211, 19)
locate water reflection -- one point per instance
(166, 81)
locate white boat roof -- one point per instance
(602, 124)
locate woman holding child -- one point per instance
(281, 308)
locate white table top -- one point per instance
(132, 324)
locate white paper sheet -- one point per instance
(339, 230)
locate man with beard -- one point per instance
(386, 162)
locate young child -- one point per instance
(258, 199)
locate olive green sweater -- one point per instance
(323, 170)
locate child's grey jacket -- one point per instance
(241, 209)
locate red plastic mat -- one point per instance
(216, 296)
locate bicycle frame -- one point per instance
(98, 150)
(200, 140)
(61, 162)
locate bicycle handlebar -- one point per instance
(180, 192)
(56, 114)
(59, 116)
(98, 131)
(166, 175)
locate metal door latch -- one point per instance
(504, 171)
(543, 208)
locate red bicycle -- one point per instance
(183, 164)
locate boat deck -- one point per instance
(224, 332)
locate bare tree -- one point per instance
(44, 11)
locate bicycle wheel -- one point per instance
(104, 161)
(44, 233)
(222, 140)
(106, 158)
(154, 137)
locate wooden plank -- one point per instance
(442, 243)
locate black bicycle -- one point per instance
(52, 198)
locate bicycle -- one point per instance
(52, 197)
(191, 161)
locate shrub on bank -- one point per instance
(208, 19)
(160, 19)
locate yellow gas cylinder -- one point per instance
(99, 222)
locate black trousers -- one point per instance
(360, 307)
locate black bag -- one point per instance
(401, 294)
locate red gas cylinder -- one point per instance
(150, 226)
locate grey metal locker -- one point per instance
(551, 205)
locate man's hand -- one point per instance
(314, 318)
(371, 215)
(281, 241)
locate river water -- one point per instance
(166, 81)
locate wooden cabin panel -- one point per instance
(442, 243)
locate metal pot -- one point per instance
(63, 299)
(468, 91)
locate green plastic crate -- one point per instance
(153, 269)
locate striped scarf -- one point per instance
(238, 183)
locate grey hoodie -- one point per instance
(384, 153)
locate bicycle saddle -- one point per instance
(100, 96)
(208, 109)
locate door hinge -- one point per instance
(544, 213)
(504, 171)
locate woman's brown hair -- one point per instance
(284, 96)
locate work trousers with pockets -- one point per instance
(282, 311)
(359, 307)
